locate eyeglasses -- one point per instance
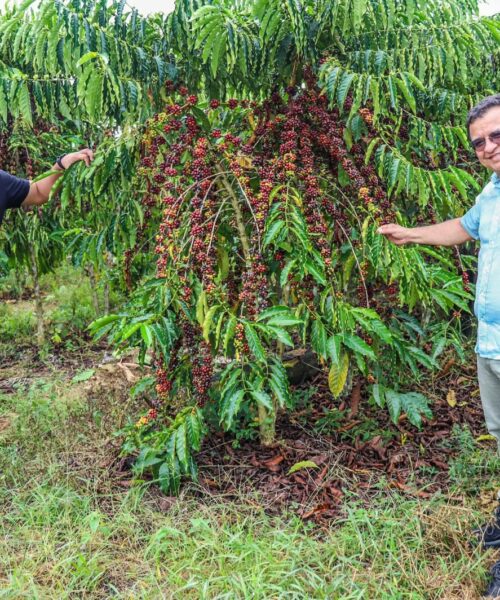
(480, 144)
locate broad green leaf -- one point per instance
(357, 344)
(393, 401)
(262, 398)
(207, 323)
(254, 343)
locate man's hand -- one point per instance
(447, 233)
(396, 233)
(70, 159)
(40, 190)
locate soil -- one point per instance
(350, 447)
(357, 455)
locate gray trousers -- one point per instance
(488, 373)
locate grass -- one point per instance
(68, 310)
(69, 531)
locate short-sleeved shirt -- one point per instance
(13, 192)
(482, 222)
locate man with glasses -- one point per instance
(17, 193)
(481, 222)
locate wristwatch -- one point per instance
(59, 162)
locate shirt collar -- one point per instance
(495, 179)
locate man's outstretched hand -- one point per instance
(396, 233)
(70, 159)
(40, 190)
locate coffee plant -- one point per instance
(246, 154)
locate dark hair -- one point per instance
(478, 111)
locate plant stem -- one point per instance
(267, 426)
(267, 419)
(93, 285)
(239, 217)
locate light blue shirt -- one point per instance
(482, 222)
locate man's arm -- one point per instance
(448, 233)
(40, 190)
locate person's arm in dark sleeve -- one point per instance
(14, 190)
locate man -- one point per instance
(16, 193)
(481, 222)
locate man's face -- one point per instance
(482, 134)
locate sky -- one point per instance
(148, 6)
(144, 6)
(488, 8)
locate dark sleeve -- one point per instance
(13, 190)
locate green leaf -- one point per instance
(194, 429)
(94, 94)
(355, 343)
(24, 100)
(284, 321)
(207, 323)
(98, 323)
(378, 394)
(231, 406)
(333, 346)
(415, 405)
(318, 338)
(381, 331)
(393, 401)
(229, 334)
(263, 399)
(164, 476)
(286, 272)
(315, 271)
(371, 148)
(344, 87)
(281, 335)
(405, 89)
(275, 311)
(147, 335)
(272, 232)
(278, 382)
(220, 48)
(181, 445)
(146, 383)
(86, 57)
(254, 343)
(130, 331)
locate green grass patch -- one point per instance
(68, 532)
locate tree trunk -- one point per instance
(267, 426)
(93, 291)
(106, 297)
(40, 326)
(110, 264)
(20, 282)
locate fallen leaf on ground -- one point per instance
(451, 398)
(272, 464)
(305, 464)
